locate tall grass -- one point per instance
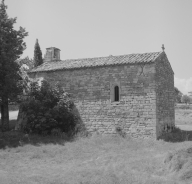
(97, 159)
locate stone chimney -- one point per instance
(52, 54)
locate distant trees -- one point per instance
(180, 98)
(178, 95)
(11, 47)
(38, 60)
(186, 99)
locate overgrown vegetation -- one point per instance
(49, 109)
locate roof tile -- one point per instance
(99, 61)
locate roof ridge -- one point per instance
(110, 56)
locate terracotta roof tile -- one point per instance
(99, 61)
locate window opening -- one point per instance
(116, 93)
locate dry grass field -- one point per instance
(94, 160)
(97, 159)
(183, 116)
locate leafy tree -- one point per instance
(25, 63)
(186, 99)
(37, 55)
(11, 47)
(48, 108)
(178, 95)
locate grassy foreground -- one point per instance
(97, 159)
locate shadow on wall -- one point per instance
(81, 129)
(176, 135)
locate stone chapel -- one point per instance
(134, 92)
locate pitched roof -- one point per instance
(99, 61)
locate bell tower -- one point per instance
(52, 54)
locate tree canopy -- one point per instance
(37, 55)
(12, 46)
(186, 99)
(178, 95)
(25, 63)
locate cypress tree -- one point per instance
(12, 46)
(37, 55)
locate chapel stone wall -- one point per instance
(92, 90)
(165, 96)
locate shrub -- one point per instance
(48, 108)
(120, 132)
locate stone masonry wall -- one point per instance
(165, 95)
(92, 91)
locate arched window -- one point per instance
(116, 93)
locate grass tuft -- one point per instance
(180, 163)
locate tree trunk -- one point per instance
(4, 114)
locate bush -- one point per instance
(186, 99)
(49, 108)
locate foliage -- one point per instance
(11, 47)
(178, 95)
(49, 108)
(37, 55)
(25, 64)
(186, 99)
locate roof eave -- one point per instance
(85, 67)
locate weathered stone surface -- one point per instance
(165, 96)
(146, 102)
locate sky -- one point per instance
(95, 28)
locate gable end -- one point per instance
(163, 56)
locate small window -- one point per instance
(116, 93)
